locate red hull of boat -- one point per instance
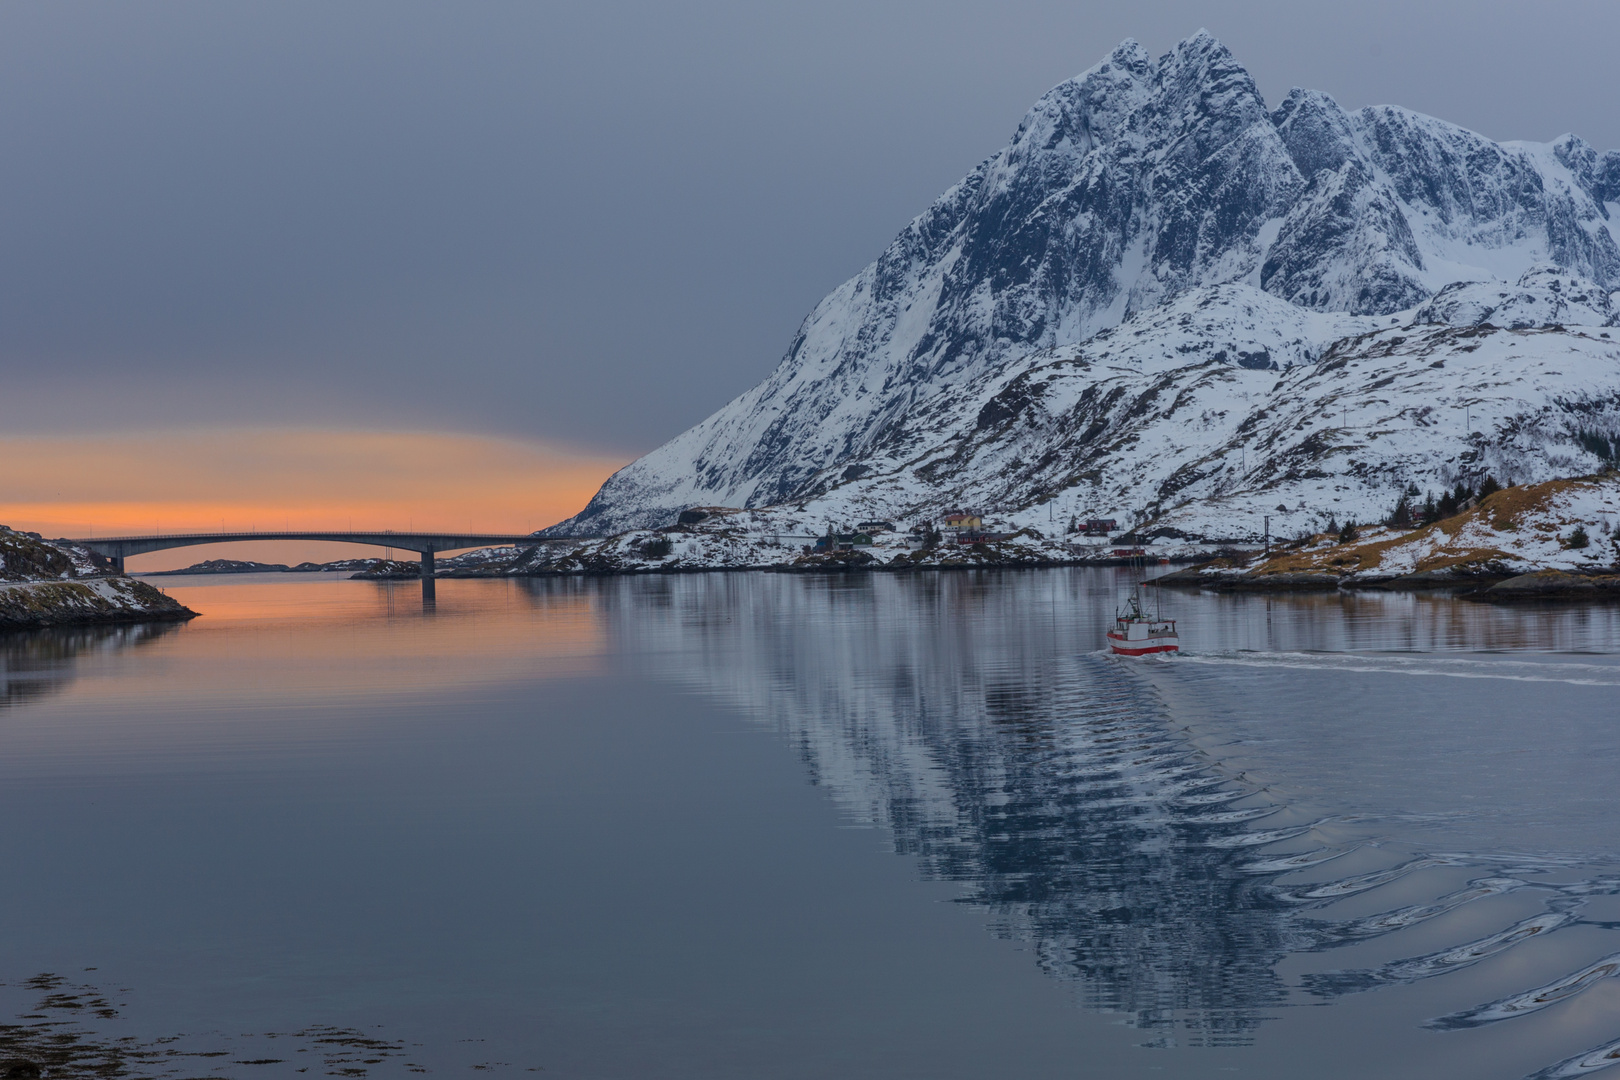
(1142, 647)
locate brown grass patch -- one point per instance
(1502, 511)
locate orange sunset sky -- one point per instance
(269, 478)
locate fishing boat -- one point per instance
(1137, 632)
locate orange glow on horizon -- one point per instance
(276, 479)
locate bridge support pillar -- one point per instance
(118, 563)
(428, 598)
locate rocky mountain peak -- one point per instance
(1135, 183)
(1316, 131)
(1204, 93)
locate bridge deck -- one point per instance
(426, 544)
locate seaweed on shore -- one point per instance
(70, 1032)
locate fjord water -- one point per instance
(760, 825)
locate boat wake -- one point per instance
(1551, 671)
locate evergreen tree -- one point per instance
(1488, 487)
(1349, 534)
(1431, 512)
(1401, 516)
(1578, 538)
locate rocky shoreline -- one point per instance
(57, 583)
(34, 604)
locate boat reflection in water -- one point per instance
(1092, 812)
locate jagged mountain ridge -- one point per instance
(1122, 189)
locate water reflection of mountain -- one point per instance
(39, 662)
(1049, 783)
(970, 715)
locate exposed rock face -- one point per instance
(1123, 189)
(29, 557)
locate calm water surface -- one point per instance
(790, 826)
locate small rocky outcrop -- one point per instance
(26, 605)
(57, 583)
(1554, 585)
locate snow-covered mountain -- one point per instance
(1222, 243)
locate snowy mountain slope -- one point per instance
(1542, 297)
(1123, 189)
(1207, 443)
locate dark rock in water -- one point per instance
(1553, 585)
(19, 1070)
(1451, 577)
(224, 566)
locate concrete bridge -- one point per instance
(118, 548)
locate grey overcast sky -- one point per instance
(587, 223)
